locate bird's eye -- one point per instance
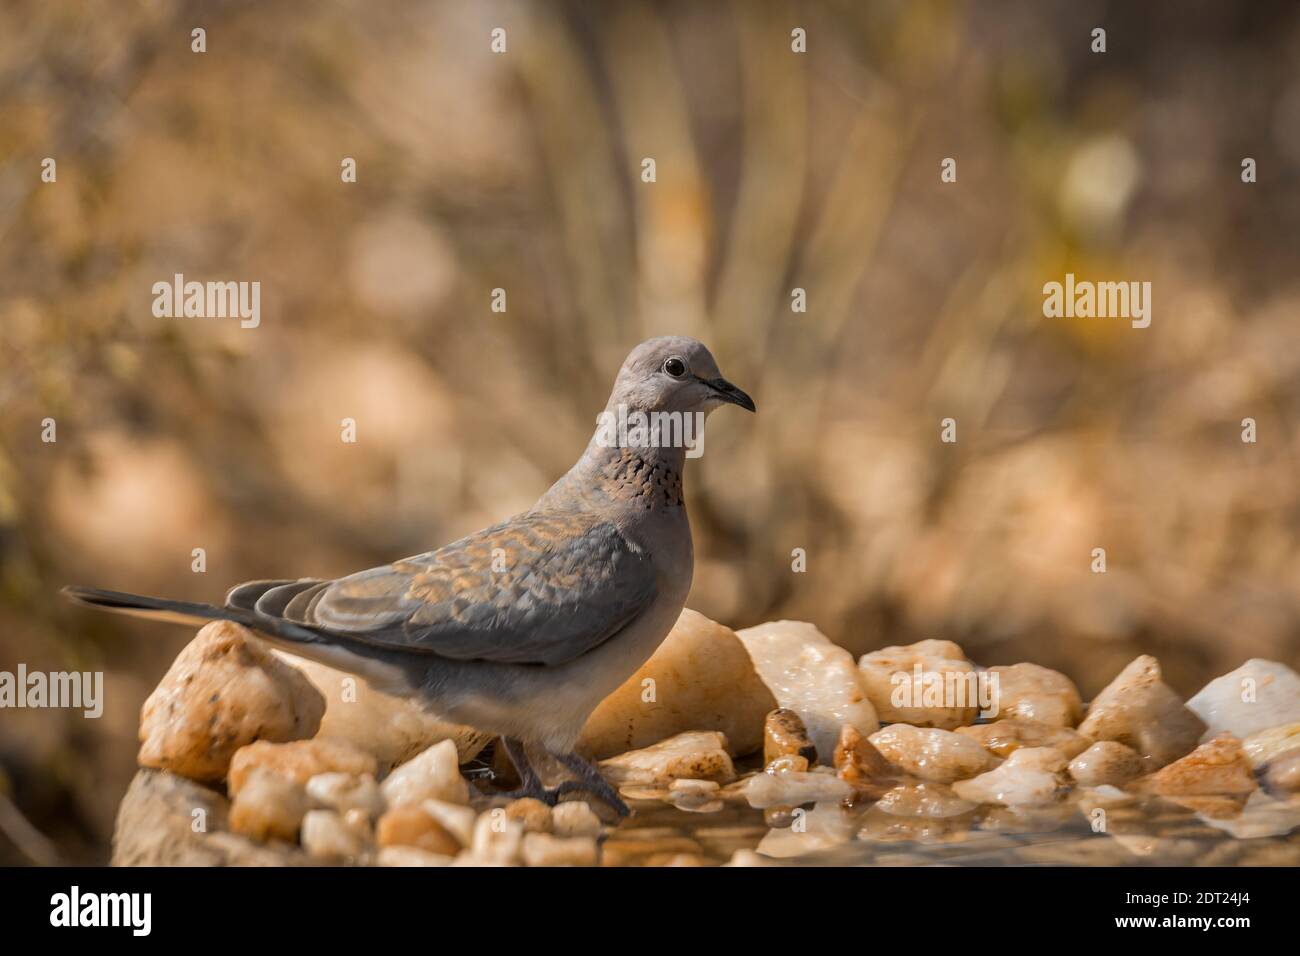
(675, 367)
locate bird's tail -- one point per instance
(334, 650)
(188, 612)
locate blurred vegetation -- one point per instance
(775, 171)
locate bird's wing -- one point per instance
(538, 589)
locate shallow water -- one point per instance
(1150, 832)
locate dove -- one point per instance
(523, 628)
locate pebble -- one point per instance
(703, 679)
(327, 835)
(533, 815)
(346, 791)
(1283, 773)
(931, 753)
(415, 826)
(675, 859)
(748, 858)
(269, 806)
(1140, 711)
(789, 762)
(543, 849)
(1003, 737)
(778, 818)
(1037, 693)
(224, 691)
(859, 764)
(1266, 745)
(1217, 767)
(793, 788)
(810, 675)
(881, 672)
(410, 856)
(1031, 775)
(497, 840)
(695, 796)
(456, 819)
(784, 735)
(300, 760)
(1257, 696)
(433, 775)
(1106, 763)
(574, 818)
(696, 755)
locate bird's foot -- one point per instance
(590, 781)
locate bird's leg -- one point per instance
(532, 784)
(590, 780)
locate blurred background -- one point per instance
(521, 171)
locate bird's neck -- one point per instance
(650, 475)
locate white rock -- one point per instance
(1106, 763)
(704, 680)
(1257, 696)
(344, 791)
(1004, 736)
(1262, 816)
(748, 858)
(410, 856)
(932, 754)
(1037, 693)
(696, 756)
(544, 849)
(268, 806)
(574, 818)
(791, 788)
(695, 796)
(1031, 775)
(1140, 711)
(456, 819)
(810, 675)
(890, 678)
(433, 775)
(497, 840)
(327, 835)
(1268, 744)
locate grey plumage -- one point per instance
(520, 629)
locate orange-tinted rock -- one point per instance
(224, 691)
(1217, 767)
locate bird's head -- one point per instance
(674, 373)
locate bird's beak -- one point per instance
(729, 393)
